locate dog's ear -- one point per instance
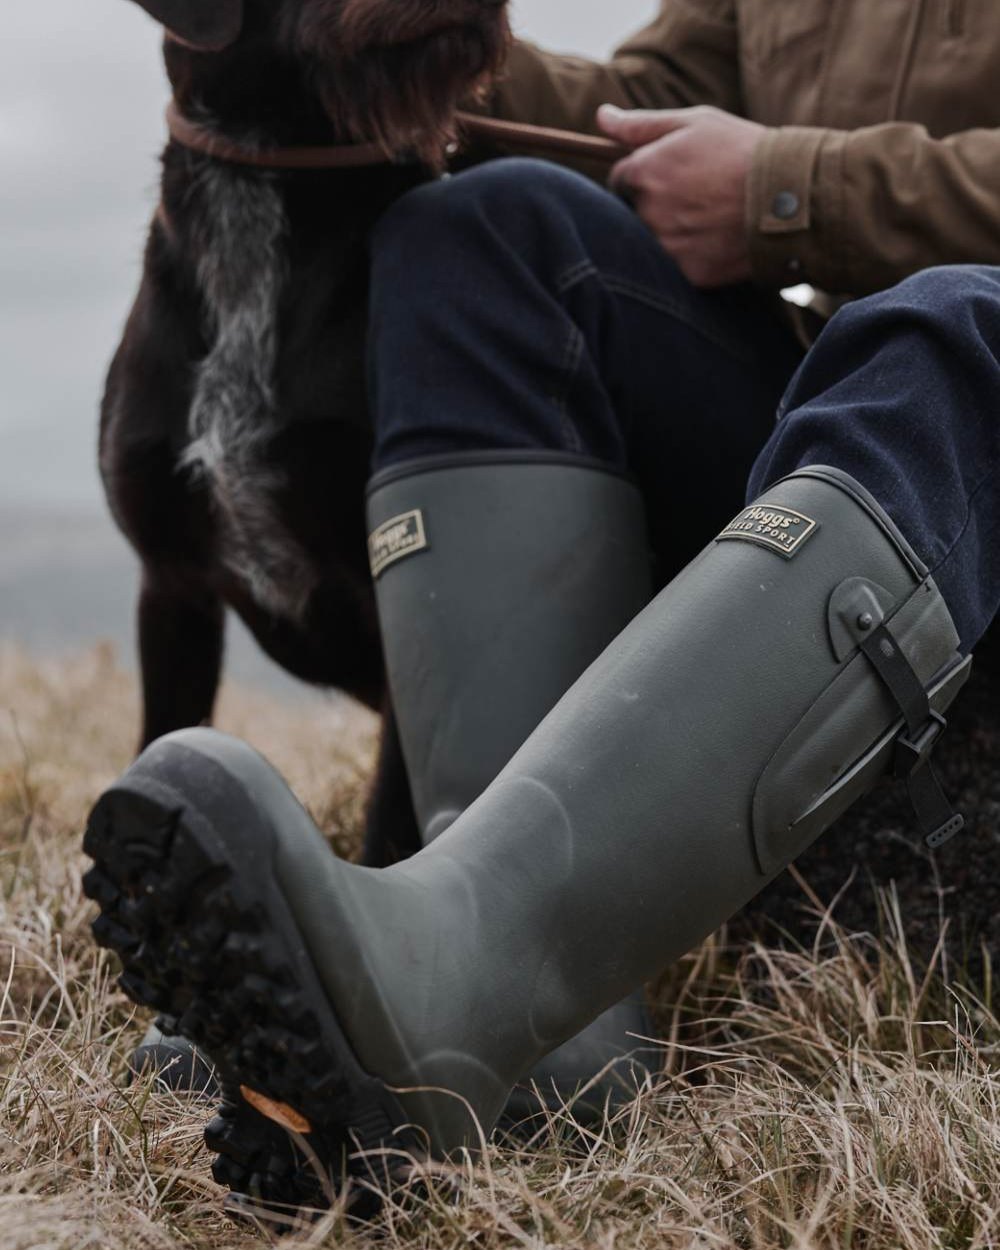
(209, 25)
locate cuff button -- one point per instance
(785, 205)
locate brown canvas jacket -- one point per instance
(885, 153)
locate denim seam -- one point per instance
(655, 300)
(572, 354)
(575, 274)
(652, 299)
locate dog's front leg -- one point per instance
(181, 628)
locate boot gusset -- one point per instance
(794, 793)
(883, 634)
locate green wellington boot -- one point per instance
(530, 564)
(499, 578)
(381, 1013)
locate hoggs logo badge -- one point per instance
(782, 529)
(401, 536)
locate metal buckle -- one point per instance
(912, 753)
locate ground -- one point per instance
(830, 1091)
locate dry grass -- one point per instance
(828, 1097)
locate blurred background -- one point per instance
(82, 95)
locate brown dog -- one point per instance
(234, 435)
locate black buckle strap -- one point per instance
(937, 818)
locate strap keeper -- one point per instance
(913, 752)
(938, 820)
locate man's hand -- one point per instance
(687, 180)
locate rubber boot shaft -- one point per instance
(523, 570)
(525, 573)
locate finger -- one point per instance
(622, 181)
(636, 127)
(625, 193)
(629, 171)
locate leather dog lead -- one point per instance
(518, 135)
(543, 138)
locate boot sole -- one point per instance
(218, 948)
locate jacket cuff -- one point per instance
(794, 208)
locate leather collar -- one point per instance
(514, 135)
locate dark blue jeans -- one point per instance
(518, 306)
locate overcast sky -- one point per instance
(81, 100)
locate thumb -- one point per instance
(635, 127)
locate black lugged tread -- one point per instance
(256, 1158)
(198, 942)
